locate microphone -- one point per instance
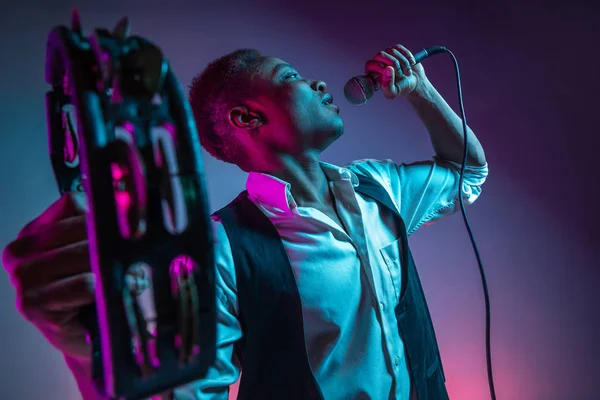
(360, 89)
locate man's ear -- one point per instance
(243, 117)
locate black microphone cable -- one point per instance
(488, 347)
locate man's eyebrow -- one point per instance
(279, 67)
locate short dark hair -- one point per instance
(222, 85)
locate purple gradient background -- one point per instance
(531, 96)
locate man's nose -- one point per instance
(319, 86)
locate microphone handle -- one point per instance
(420, 56)
(428, 51)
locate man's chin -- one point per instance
(328, 140)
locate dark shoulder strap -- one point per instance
(253, 239)
(272, 349)
(370, 187)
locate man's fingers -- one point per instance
(40, 269)
(63, 295)
(386, 58)
(406, 53)
(373, 67)
(388, 83)
(68, 205)
(403, 61)
(57, 303)
(386, 77)
(54, 308)
(61, 233)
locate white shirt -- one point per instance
(348, 276)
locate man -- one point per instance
(343, 315)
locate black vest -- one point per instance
(272, 350)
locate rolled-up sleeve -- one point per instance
(226, 369)
(425, 191)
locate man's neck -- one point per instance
(308, 182)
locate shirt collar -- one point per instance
(276, 193)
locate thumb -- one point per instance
(388, 83)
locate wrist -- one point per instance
(424, 92)
(81, 368)
(79, 365)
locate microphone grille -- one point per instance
(358, 90)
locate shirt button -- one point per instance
(397, 360)
(382, 306)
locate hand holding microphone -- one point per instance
(396, 71)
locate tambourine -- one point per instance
(121, 130)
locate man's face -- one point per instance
(299, 113)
